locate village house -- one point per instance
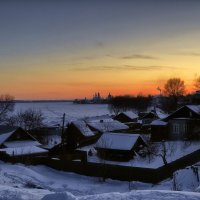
(105, 123)
(182, 124)
(79, 134)
(195, 98)
(16, 142)
(119, 146)
(48, 136)
(148, 117)
(126, 117)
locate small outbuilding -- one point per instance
(126, 117)
(119, 146)
(79, 134)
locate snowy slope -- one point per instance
(134, 195)
(21, 182)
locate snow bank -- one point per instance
(59, 196)
(134, 195)
(186, 179)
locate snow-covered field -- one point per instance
(53, 111)
(21, 182)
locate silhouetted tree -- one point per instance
(28, 119)
(173, 90)
(123, 103)
(174, 87)
(163, 149)
(7, 105)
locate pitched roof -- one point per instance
(21, 143)
(83, 128)
(117, 141)
(98, 118)
(194, 108)
(23, 150)
(6, 132)
(159, 122)
(6, 129)
(130, 114)
(106, 126)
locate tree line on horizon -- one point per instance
(173, 96)
(174, 92)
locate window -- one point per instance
(176, 128)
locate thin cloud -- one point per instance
(189, 53)
(139, 56)
(122, 68)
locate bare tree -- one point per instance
(161, 149)
(7, 105)
(174, 87)
(28, 119)
(173, 90)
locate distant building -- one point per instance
(97, 99)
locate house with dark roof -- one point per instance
(79, 134)
(147, 118)
(16, 142)
(182, 124)
(119, 146)
(126, 117)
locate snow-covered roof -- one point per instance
(194, 108)
(105, 118)
(7, 129)
(108, 126)
(13, 144)
(130, 114)
(160, 113)
(158, 122)
(118, 141)
(4, 137)
(84, 129)
(6, 132)
(24, 150)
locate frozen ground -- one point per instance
(175, 150)
(53, 111)
(20, 182)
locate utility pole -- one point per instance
(63, 127)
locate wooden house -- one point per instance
(119, 146)
(16, 142)
(102, 126)
(126, 117)
(149, 117)
(182, 124)
(79, 134)
(159, 130)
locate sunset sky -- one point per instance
(71, 49)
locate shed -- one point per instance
(119, 146)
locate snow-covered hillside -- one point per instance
(21, 182)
